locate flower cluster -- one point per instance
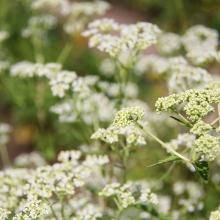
(169, 43)
(214, 85)
(198, 103)
(190, 194)
(127, 194)
(151, 63)
(187, 140)
(4, 214)
(201, 44)
(27, 69)
(208, 146)
(80, 12)
(61, 6)
(61, 82)
(181, 76)
(111, 135)
(215, 214)
(33, 159)
(33, 210)
(12, 183)
(128, 115)
(113, 89)
(4, 65)
(88, 107)
(200, 128)
(132, 37)
(39, 25)
(75, 15)
(90, 212)
(23, 190)
(3, 36)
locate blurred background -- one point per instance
(21, 104)
(17, 95)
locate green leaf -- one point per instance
(181, 122)
(154, 212)
(202, 168)
(177, 119)
(166, 160)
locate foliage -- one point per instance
(97, 111)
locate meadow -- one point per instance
(105, 120)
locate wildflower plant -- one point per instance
(115, 134)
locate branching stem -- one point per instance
(162, 143)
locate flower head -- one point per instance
(198, 104)
(208, 145)
(128, 115)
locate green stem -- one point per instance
(217, 119)
(214, 186)
(5, 157)
(65, 52)
(117, 203)
(52, 210)
(181, 13)
(119, 79)
(37, 49)
(122, 155)
(117, 217)
(193, 156)
(162, 143)
(39, 100)
(62, 209)
(165, 175)
(124, 168)
(154, 212)
(219, 112)
(182, 117)
(120, 209)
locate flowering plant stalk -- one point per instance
(99, 111)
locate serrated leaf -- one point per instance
(171, 158)
(202, 167)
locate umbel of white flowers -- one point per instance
(198, 103)
(128, 115)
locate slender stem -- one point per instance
(193, 156)
(39, 100)
(117, 217)
(62, 209)
(122, 154)
(120, 209)
(117, 203)
(37, 49)
(217, 119)
(65, 52)
(162, 143)
(219, 113)
(5, 157)
(182, 117)
(154, 212)
(52, 210)
(120, 81)
(182, 13)
(124, 167)
(164, 175)
(214, 186)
